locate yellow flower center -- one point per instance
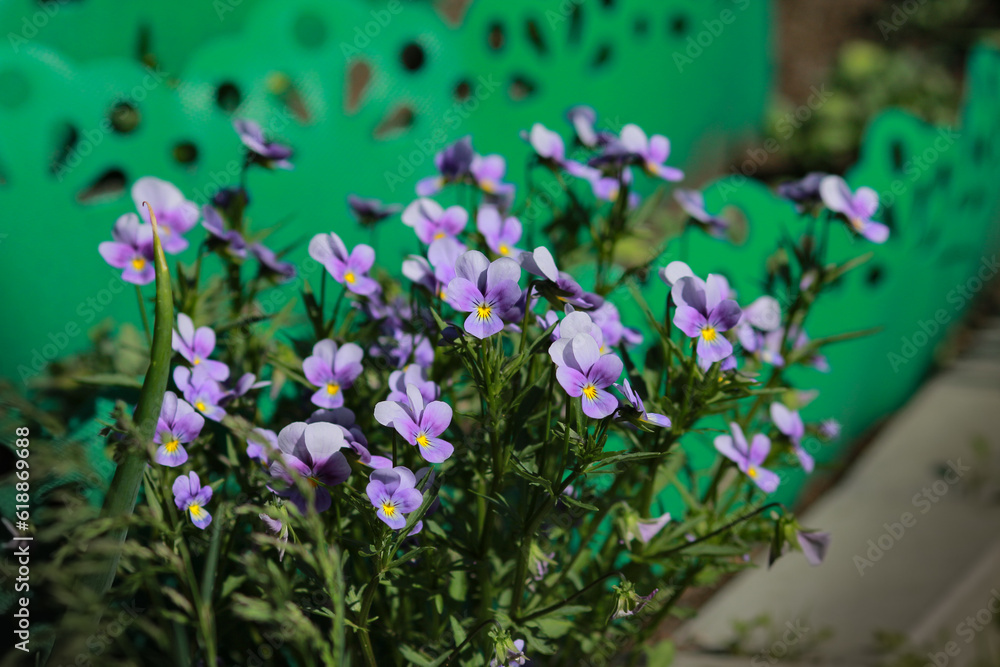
(709, 334)
(439, 236)
(857, 224)
(332, 388)
(138, 263)
(350, 277)
(172, 446)
(590, 391)
(613, 195)
(441, 293)
(504, 250)
(752, 472)
(483, 311)
(195, 510)
(652, 167)
(163, 230)
(200, 405)
(388, 509)
(488, 186)
(197, 360)
(422, 440)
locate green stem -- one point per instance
(145, 317)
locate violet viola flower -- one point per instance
(803, 191)
(175, 215)
(608, 319)
(501, 234)
(177, 425)
(312, 451)
(560, 288)
(571, 325)
(370, 212)
(582, 371)
(266, 153)
(628, 602)
(131, 250)
(634, 401)
(703, 313)
(270, 264)
(262, 444)
(488, 172)
(857, 207)
(432, 222)
(748, 458)
(514, 657)
(332, 370)
(582, 118)
(412, 375)
(231, 239)
(196, 345)
(420, 424)
(485, 290)
(643, 530)
(549, 147)
(814, 545)
(246, 383)
(350, 270)
(343, 418)
(201, 391)
(191, 496)
(790, 424)
(392, 492)
(453, 163)
(693, 203)
(652, 152)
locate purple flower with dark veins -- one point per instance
(583, 118)
(814, 545)
(804, 190)
(431, 222)
(560, 288)
(265, 153)
(271, 265)
(332, 369)
(370, 212)
(392, 492)
(343, 418)
(246, 383)
(205, 394)
(350, 270)
(703, 313)
(582, 371)
(231, 240)
(175, 215)
(856, 207)
(551, 150)
(177, 425)
(748, 458)
(131, 250)
(652, 152)
(412, 375)
(262, 444)
(634, 402)
(693, 203)
(501, 234)
(419, 423)
(485, 290)
(191, 496)
(196, 345)
(453, 163)
(312, 451)
(790, 424)
(488, 172)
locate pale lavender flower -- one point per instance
(131, 250)
(814, 545)
(634, 402)
(804, 190)
(262, 444)
(333, 370)
(201, 391)
(693, 203)
(175, 215)
(582, 371)
(196, 345)
(485, 290)
(391, 491)
(432, 222)
(266, 153)
(749, 457)
(348, 269)
(191, 496)
(271, 265)
(231, 240)
(313, 452)
(651, 152)
(857, 207)
(414, 375)
(501, 234)
(370, 211)
(703, 313)
(829, 429)
(549, 147)
(343, 418)
(177, 425)
(488, 171)
(790, 424)
(453, 163)
(419, 423)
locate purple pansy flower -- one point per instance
(575, 323)
(196, 345)
(313, 452)
(131, 250)
(858, 207)
(413, 375)
(175, 215)
(674, 271)
(370, 211)
(201, 391)
(815, 359)
(191, 496)
(246, 383)
(332, 370)
(266, 153)
(343, 418)
(485, 290)
(270, 264)
(814, 545)
(628, 602)
(803, 191)
(608, 319)
(704, 313)
(560, 288)
(635, 402)
(790, 424)
(232, 240)
(693, 203)
(549, 146)
(226, 196)
(177, 425)
(514, 658)
(262, 444)
(453, 163)
(420, 424)
(583, 118)
(392, 493)
(501, 234)
(350, 270)
(432, 222)
(652, 152)
(488, 172)
(748, 458)
(582, 371)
